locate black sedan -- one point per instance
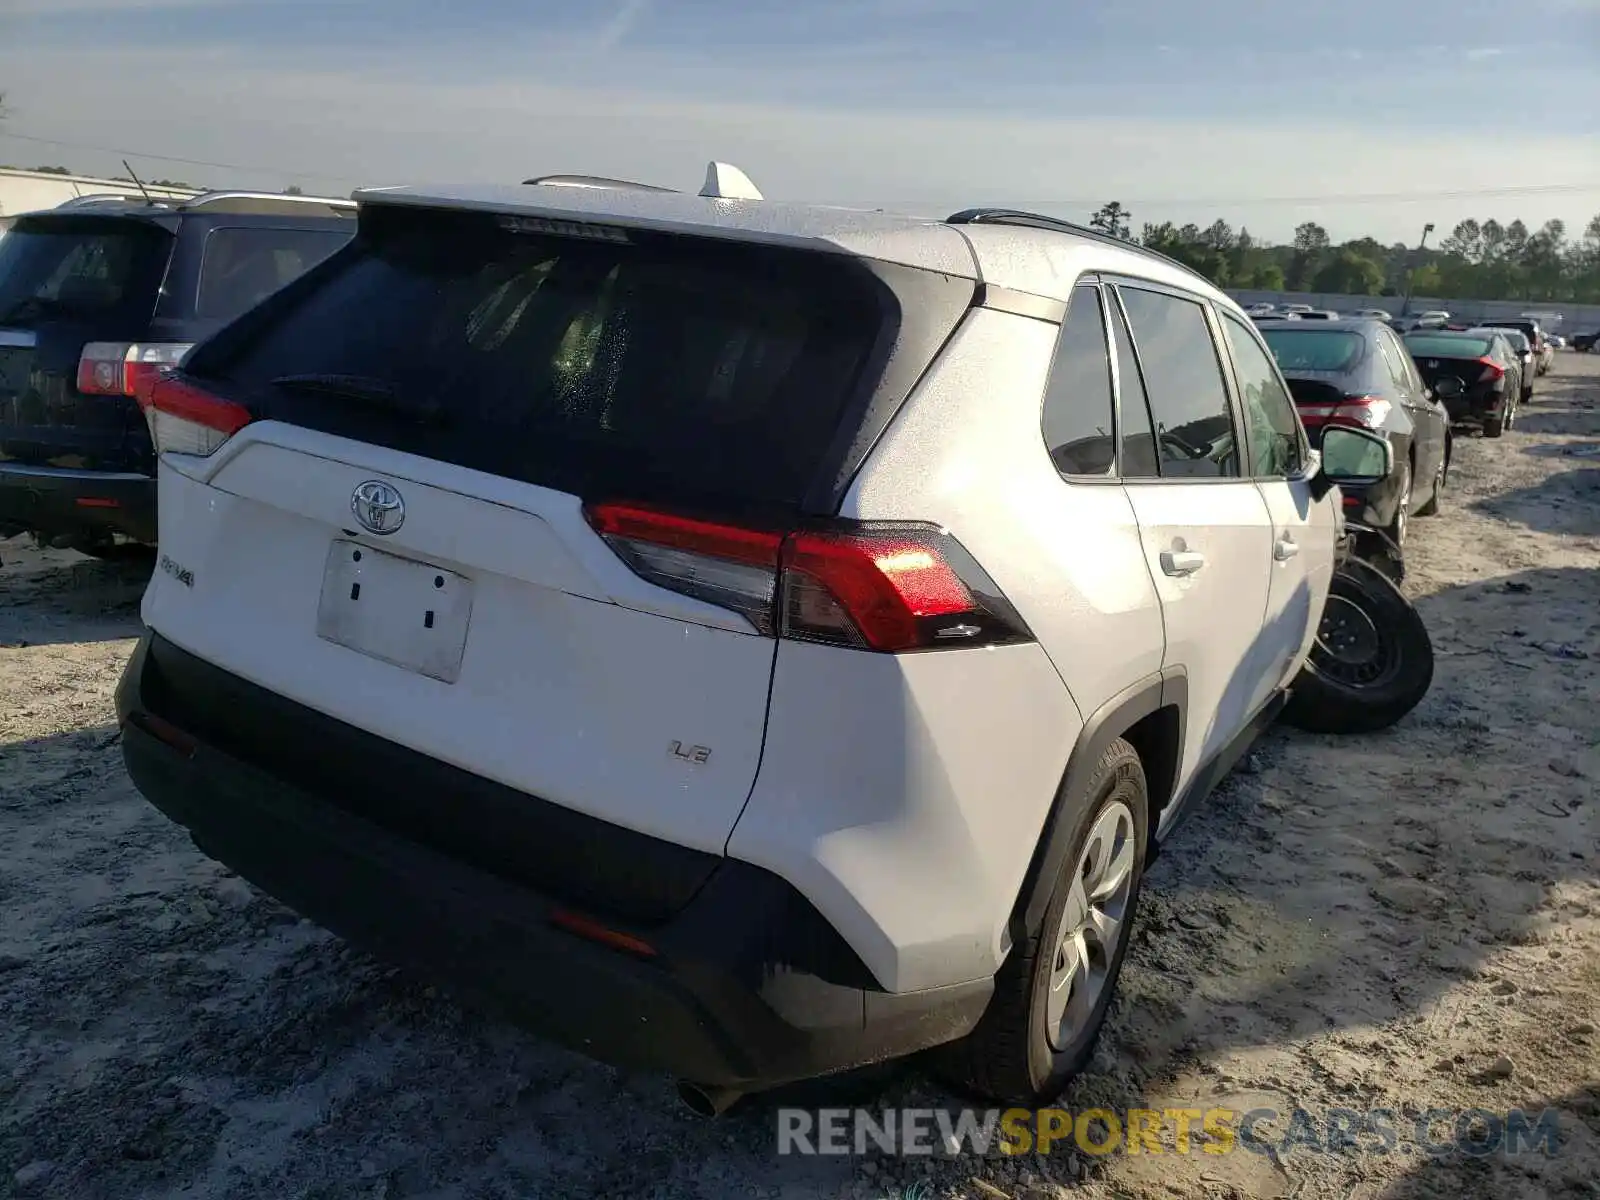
(1357, 372)
(1476, 372)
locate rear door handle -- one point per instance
(1284, 549)
(1182, 562)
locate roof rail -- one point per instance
(595, 181)
(94, 198)
(247, 202)
(1010, 216)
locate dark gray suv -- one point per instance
(98, 296)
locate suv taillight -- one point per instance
(120, 368)
(184, 419)
(882, 588)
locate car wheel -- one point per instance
(1402, 513)
(1430, 507)
(1371, 663)
(1052, 992)
(1493, 427)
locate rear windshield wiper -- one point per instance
(365, 390)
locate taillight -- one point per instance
(1365, 412)
(885, 588)
(184, 419)
(1491, 370)
(121, 368)
(721, 564)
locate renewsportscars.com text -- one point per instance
(1439, 1132)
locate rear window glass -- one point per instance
(55, 268)
(654, 366)
(1424, 345)
(243, 266)
(1309, 350)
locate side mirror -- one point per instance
(1355, 457)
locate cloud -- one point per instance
(62, 8)
(1484, 53)
(621, 24)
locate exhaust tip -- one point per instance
(706, 1101)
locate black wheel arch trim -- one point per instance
(1165, 689)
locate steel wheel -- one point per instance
(1351, 648)
(1097, 905)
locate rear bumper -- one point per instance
(61, 502)
(744, 987)
(1474, 410)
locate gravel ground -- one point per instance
(1407, 921)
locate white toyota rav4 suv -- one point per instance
(741, 639)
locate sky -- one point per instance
(1371, 117)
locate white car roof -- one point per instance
(1041, 261)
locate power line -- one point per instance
(1535, 189)
(190, 162)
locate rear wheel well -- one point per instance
(1157, 737)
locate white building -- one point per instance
(29, 191)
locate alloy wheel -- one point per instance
(1097, 906)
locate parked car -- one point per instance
(1319, 314)
(1359, 374)
(791, 728)
(1373, 314)
(1475, 372)
(1542, 353)
(1261, 310)
(1525, 356)
(1583, 343)
(1556, 340)
(1434, 316)
(95, 298)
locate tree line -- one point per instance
(1477, 260)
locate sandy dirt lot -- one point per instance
(1408, 921)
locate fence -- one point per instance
(1576, 318)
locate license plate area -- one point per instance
(406, 613)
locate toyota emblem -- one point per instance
(378, 507)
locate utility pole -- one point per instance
(1405, 308)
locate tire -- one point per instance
(1370, 683)
(1430, 506)
(1012, 1056)
(1402, 511)
(1493, 427)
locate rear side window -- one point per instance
(1188, 400)
(242, 266)
(648, 366)
(80, 268)
(1394, 361)
(1078, 419)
